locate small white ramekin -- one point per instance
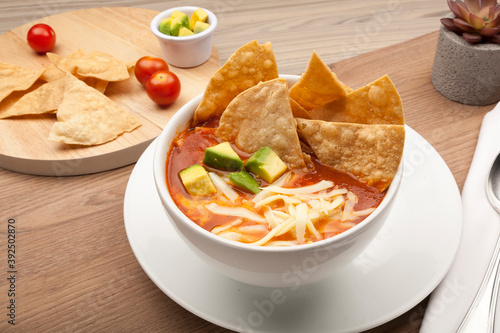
(186, 51)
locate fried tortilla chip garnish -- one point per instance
(371, 153)
(249, 65)
(44, 99)
(318, 85)
(94, 64)
(262, 116)
(14, 97)
(97, 84)
(87, 117)
(16, 78)
(376, 103)
(298, 111)
(52, 73)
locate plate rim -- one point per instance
(399, 310)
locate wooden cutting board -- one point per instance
(123, 33)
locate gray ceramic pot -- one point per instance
(464, 72)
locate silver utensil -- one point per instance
(493, 193)
(481, 315)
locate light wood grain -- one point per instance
(77, 272)
(335, 29)
(24, 144)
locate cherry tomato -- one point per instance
(41, 38)
(163, 87)
(147, 66)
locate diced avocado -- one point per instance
(164, 27)
(244, 181)
(182, 16)
(199, 15)
(197, 181)
(177, 13)
(266, 164)
(185, 32)
(177, 22)
(223, 157)
(175, 26)
(200, 26)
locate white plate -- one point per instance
(402, 266)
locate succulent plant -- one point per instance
(476, 20)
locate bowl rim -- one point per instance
(174, 127)
(155, 23)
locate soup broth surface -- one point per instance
(188, 148)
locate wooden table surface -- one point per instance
(75, 270)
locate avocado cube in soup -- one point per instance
(266, 164)
(223, 157)
(197, 181)
(244, 181)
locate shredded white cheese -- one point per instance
(289, 210)
(234, 211)
(322, 185)
(221, 228)
(301, 222)
(231, 235)
(222, 186)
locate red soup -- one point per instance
(298, 208)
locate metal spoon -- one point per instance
(481, 314)
(493, 193)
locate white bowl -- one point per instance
(186, 51)
(276, 267)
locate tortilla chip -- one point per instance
(346, 88)
(298, 111)
(249, 65)
(62, 64)
(52, 73)
(15, 96)
(87, 117)
(95, 64)
(318, 85)
(372, 153)
(44, 99)
(98, 84)
(376, 103)
(16, 78)
(261, 116)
